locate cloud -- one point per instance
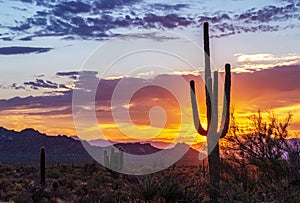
(26, 38)
(225, 29)
(23, 50)
(93, 19)
(167, 21)
(68, 74)
(152, 35)
(71, 7)
(214, 19)
(113, 4)
(256, 62)
(269, 13)
(168, 7)
(254, 87)
(6, 38)
(279, 78)
(102, 19)
(276, 88)
(63, 111)
(30, 102)
(72, 74)
(267, 19)
(17, 87)
(44, 84)
(86, 81)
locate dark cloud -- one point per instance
(168, 21)
(53, 101)
(72, 19)
(113, 4)
(214, 19)
(254, 16)
(269, 13)
(17, 87)
(27, 1)
(81, 75)
(19, 9)
(23, 50)
(152, 35)
(71, 73)
(26, 38)
(225, 29)
(71, 7)
(265, 19)
(6, 38)
(96, 19)
(41, 84)
(39, 76)
(168, 7)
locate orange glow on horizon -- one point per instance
(248, 96)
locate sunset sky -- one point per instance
(92, 62)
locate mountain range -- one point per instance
(23, 148)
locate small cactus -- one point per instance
(116, 159)
(43, 166)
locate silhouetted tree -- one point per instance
(263, 160)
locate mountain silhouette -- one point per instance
(23, 148)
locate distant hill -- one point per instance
(100, 143)
(137, 148)
(23, 148)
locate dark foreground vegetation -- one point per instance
(261, 166)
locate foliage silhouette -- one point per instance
(263, 164)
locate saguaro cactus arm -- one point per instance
(196, 116)
(208, 80)
(206, 51)
(226, 103)
(214, 103)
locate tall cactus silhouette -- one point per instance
(212, 133)
(43, 166)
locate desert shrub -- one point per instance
(170, 189)
(262, 164)
(147, 187)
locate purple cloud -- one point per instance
(95, 20)
(284, 78)
(23, 50)
(41, 84)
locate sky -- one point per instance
(120, 69)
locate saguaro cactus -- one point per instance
(212, 133)
(116, 159)
(43, 166)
